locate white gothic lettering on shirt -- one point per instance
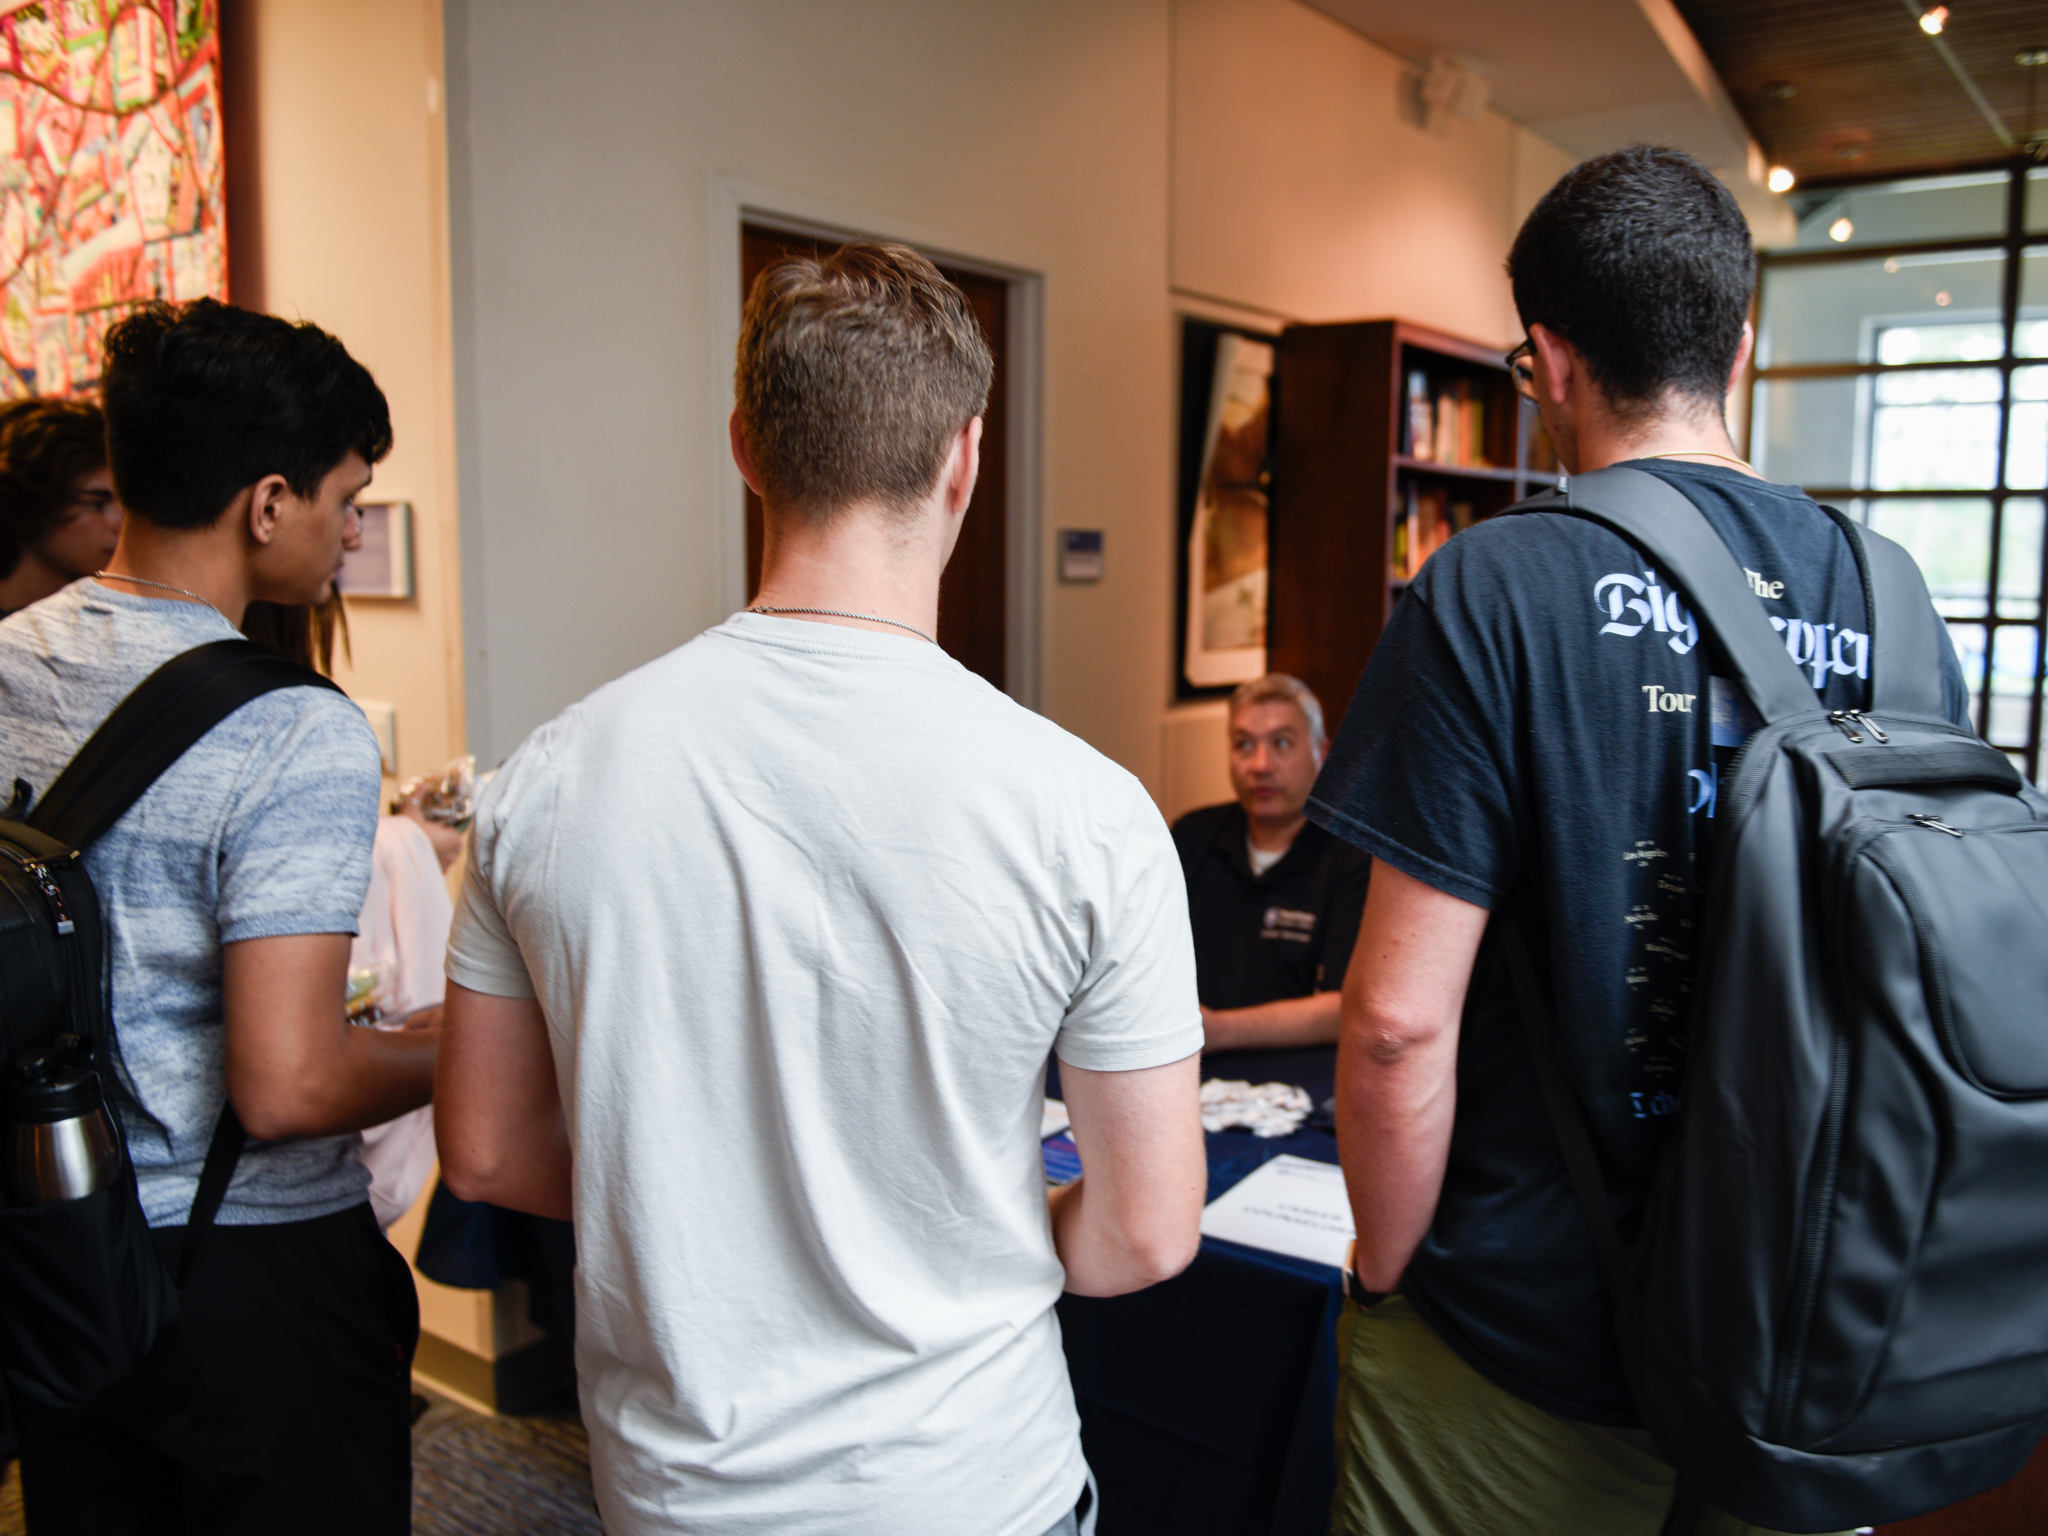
(1632, 604)
(1820, 647)
(1650, 605)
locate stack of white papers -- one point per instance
(1290, 1205)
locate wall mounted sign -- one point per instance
(1080, 554)
(111, 184)
(382, 567)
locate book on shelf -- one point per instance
(1427, 519)
(1419, 429)
(1445, 425)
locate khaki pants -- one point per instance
(1426, 1446)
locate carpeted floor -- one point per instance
(473, 1476)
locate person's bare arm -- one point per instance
(1397, 1062)
(1135, 1218)
(497, 1108)
(1286, 1021)
(296, 1066)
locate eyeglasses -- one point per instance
(1522, 369)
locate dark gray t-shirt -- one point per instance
(262, 830)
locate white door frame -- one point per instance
(736, 201)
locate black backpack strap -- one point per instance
(222, 1153)
(1906, 634)
(147, 732)
(1567, 1117)
(1660, 521)
(153, 727)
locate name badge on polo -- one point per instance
(1287, 923)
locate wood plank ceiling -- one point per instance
(1843, 90)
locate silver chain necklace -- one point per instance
(836, 613)
(144, 581)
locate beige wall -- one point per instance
(1141, 157)
(338, 215)
(596, 168)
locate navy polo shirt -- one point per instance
(1261, 938)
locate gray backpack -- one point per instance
(1835, 1310)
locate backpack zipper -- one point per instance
(1932, 823)
(39, 872)
(1847, 721)
(70, 956)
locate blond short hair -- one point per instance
(855, 371)
(1279, 688)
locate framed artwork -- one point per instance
(382, 567)
(1226, 475)
(114, 190)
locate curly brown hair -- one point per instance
(45, 445)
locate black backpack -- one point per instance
(1835, 1309)
(84, 1299)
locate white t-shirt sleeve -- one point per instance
(1136, 1005)
(482, 955)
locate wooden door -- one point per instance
(973, 619)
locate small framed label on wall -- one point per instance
(382, 566)
(1080, 554)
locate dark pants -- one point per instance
(281, 1404)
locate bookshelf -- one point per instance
(1388, 439)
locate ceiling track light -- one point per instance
(1934, 21)
(1780, 178)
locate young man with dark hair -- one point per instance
(776, 934)
(59, 519)
(1548, 731)
(230, 892)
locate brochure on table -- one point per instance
(1291, 1205)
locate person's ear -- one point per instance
(741, 457)
(1742, 354)
(963, 467)
(265, 510)
(1560, 363)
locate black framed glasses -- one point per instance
(1522, 369)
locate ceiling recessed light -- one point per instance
(1840, 230)
(1781, 178)
(1891, 264)
(1933, 20)
(1941, 298)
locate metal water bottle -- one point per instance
(61, 1142)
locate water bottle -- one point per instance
(62, 1144)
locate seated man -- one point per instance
(1274, 899)
(58, 516)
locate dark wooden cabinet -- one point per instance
(1350, 487)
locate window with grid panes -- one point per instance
(1902, 375)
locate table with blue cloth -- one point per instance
(1207, 1402)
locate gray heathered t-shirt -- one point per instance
(262, 830)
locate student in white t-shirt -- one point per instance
(759, 958)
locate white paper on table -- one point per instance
(1053, 1120)
(1291, 1205)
